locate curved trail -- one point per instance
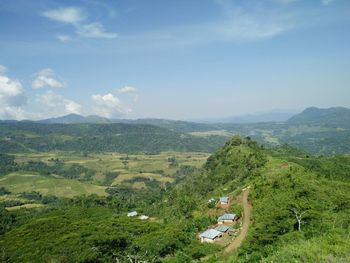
(246, 221)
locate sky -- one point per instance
(178, 59)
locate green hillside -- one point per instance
(284, 183)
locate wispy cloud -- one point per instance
(76, 17)
(69, 15)
(239, 21)
(46, 78)
(132, 91)
(64, 38)
(327, 2)
(94, 30)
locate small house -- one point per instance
(131, 214)
(227, 218)
(210, 235)
(224, 200)
(143, 217)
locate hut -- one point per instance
(210, 235)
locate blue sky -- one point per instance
(178, 59)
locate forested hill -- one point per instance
(284, 182)
(118, 137)
(337, 117)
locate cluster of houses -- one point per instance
(134, 213)
(220, 229)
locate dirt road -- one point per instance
(246, 221)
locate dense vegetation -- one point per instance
(286, 184)
(126, 138)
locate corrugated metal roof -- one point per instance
(211, 234)
(222, 228)
(227, 217)
(224, 199)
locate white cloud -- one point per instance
(129, 90)
(46, 79)
(68, 15)
(109, 106)
(64, 38)
(327, 2)
(75, 17)
(52, 104)
(94, 30)
(252, 21)
(12, 97)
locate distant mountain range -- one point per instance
(271, 116)
(76, 118)
(318, 131)
(335, 116)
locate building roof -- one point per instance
(227, 217)
(211, 234)
(134, 213)
(224, 199)
(222, 228)
(143, 217)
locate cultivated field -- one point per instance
(132, 170)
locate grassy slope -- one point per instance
(28, 182)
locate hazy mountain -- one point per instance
(271, 116)
(331, 117)
(76, 118)
(182, 126)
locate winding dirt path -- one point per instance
(246, 221)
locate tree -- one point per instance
(299, 215)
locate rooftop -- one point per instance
(211, 234)
(227, 217)
(222, 228)
(224, 199)
(133, 213)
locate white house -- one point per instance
(210, 235)
(131, 214)
(143, 217)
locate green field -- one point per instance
(132, 171)
(27, 182)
